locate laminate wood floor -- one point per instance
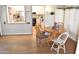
(26, 44)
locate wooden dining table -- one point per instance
(54, 33)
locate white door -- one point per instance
(16, 28)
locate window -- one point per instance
(16, 14)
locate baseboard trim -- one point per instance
(18, 34)
(73, 38)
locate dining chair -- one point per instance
(41, 36)
(60, 42)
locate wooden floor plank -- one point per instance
(26, 44)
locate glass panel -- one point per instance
(16, 14)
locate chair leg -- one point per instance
(47, 42)
(58, 50)
(52, 46)
(64, 49)
(38, 41)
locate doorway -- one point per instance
(37, 13)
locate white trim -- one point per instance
(0, 29)
(77, 49)
(72, 38)
(17, 33)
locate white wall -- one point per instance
(59, 14)
(66, 21)
(77, 49)
(23, 28)
(49, 19)
(38, 9)
(71, 22)
(0, 21)
(0, 28)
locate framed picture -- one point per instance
(16, 14)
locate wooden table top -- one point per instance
(54, 32)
